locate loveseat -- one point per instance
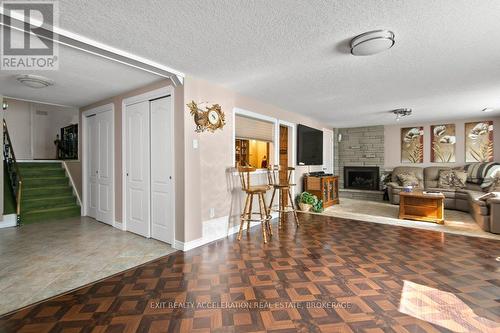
(486, 213)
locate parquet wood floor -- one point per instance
(329, 275)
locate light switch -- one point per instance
(195, 143)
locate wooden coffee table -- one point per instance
(419, 206)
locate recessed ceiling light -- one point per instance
(34, 81)
(372, 42)
(487, 109)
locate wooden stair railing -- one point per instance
(16, 181)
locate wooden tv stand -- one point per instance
(326, 188)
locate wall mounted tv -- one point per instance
(309, 146)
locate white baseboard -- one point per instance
(213, 230)
(8, 221)
(118, 225)
(189, 245)
(39, 161)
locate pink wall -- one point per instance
(206, 176)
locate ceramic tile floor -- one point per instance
(42, 260)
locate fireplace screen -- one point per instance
(361, 178)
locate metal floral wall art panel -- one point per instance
(443, 143)
(412, 145)
(479, 141)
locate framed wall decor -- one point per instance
(479, 141)
(443, 143)
(412, 145)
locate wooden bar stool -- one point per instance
(283, 185)
(247, 215)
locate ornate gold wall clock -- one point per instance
(210, 119)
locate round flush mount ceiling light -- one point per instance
(34, 81)
(372, 42)
(487, 109)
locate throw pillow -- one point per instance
(408, 179)
(495, 184)
(452, 179)
(491, 174)
(476, 172)
(461, 178)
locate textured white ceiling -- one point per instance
(82, 79)
(291, 53)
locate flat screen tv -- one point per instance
(309, 146)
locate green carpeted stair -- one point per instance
(47, 194)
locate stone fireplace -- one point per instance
(361, 151)
(361, 177)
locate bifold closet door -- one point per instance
(161, 170)
(104, 172)
(92, 165)
(99, 166)
(137, 143)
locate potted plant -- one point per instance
(317, 207)
(306, 201)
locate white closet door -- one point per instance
(162, 220)
(104, 173)
(137, 167)
(92, 165)
(327, 150)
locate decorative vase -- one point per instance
(304, 207)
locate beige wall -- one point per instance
(392, 142)
(18, 118)
(33, 135)
(208, 184)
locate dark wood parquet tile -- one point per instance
(383, 279)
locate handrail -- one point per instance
(16, 180)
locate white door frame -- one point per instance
(257, 116)
(99, 109)
(332, 150)
(153, 94)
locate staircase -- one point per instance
(47, 194)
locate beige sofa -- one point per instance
(485, 213)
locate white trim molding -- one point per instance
(213, 230)
(118, 225)
(8, 221)
(257, 116)
(91, 46)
